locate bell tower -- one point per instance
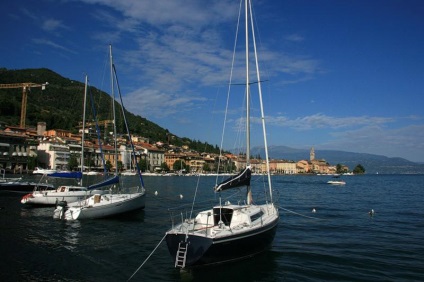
(312, 154)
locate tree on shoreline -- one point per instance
(359, 169)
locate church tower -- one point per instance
(312, 154)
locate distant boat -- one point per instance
(39, 170)
(92, 173)
(110, 204)
(227, 231)
(336, 181)
(128, 173)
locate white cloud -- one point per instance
(323, 121)
(154, 103)
(295, 38)
(51, 25)
(50, 43)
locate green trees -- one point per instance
(164, 167)
(180, 165)
(59, 105)
(73, 162)
(359, 169)
(142, 164)
(341, 168)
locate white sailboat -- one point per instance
(228, 232)
(46, 195)
(110, 204)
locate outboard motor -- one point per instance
(64, 207)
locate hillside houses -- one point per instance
(22, 150)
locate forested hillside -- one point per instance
(60, 105)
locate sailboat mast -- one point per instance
(83, 125)
(261, 105)
(247, 87)
(112, 84)
(249, 198)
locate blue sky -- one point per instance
(344, 75)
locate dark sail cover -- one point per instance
(241, 179)
(66, 174)
(106, 182)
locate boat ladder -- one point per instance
(180, 259)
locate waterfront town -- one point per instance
(24, 149)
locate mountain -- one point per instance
(371, 163)
(60, 106)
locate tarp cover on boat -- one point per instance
(66, 174)
(241, 179)
(106, 182)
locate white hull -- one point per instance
(333, 182)
(129, 173)
(43, 171)
(51, 197)
(100, 206)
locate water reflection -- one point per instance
(71, 235)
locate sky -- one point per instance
(336, 75)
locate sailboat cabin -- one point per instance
(229, 216)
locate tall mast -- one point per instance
(83, 125)
(261, 105)
(247, 86)
(112, 84)
(249, 198)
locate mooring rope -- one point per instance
(311, 217)
(147, 258)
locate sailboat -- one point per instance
(109, 204)
(228, 232)
(49, 195)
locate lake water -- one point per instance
(339, 242)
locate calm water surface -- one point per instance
(339, 242)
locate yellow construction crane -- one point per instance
(26, 86)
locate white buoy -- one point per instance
(371, 212)
(181, 196)
(314, 210)
(156, 193)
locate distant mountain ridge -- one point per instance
(60, 106)
(372, 163)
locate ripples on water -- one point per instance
(339, 242)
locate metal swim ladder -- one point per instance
(180, 258)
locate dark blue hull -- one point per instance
(206, 251)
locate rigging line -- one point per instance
(311, 217)
(194, 197)
(228, 94)
(126, 126)
(147, 258)
(93, 108)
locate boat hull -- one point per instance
(202, 250)
(116, 205)
(50, 198)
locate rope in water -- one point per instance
(147, 258)
(311, 217)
